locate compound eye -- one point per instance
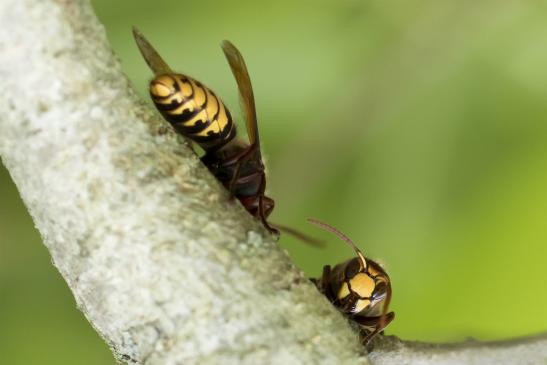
(380, 290)
(353, 268)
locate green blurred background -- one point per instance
(417, 127)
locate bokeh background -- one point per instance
(417, 127)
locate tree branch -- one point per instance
(392, 351)
(165, 267)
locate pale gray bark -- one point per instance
(392, 351)
(165, 267)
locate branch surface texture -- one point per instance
(526, 351)
(166, 268)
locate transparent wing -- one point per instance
(151, 56)
(237, 64)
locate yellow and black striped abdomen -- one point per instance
(193, 110)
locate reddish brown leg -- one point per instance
(323, 283)
(261, 213)
(245, 156)
(378, 323)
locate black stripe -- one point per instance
(210, 137)
(217, 142)
(218, 104)
(196, 128)
(226, 130)
(183, 79)
(204, 105)
(159, 97)
(225, 136)
(231, 135)
(228, 114)
(176, 84)
(183, 117)
(171, 106)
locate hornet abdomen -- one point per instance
(193, 110)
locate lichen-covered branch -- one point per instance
(525, 351)
(165, 267)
